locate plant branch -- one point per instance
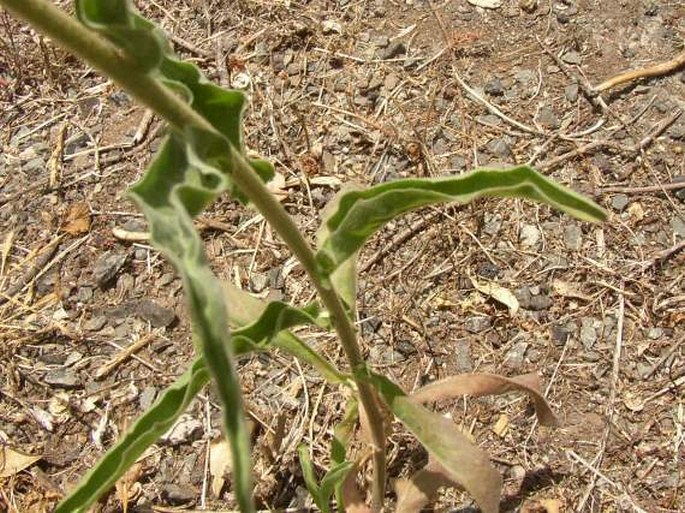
(108, 59)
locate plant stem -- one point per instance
(105, 57)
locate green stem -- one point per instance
(105, 57)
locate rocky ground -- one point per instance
(93, 325)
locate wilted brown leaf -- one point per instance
(479, 385)
(77, 220)
(499, 294)
(219, 464)
(417, 492)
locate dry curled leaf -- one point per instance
(417, 492)
(499, 294)
(12, 462)
(77, 220)
(479, 385)
(219, 464)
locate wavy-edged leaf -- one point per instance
(156, 421)
(245, 309)
(479, 385)
(361, 213)
(463, 462)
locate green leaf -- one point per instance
(156, 421)
(361, 213)
(342, 433)
(115, 19)
(344, 278)
(335, 476)
(463, 462)
(245, 309)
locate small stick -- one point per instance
(143, 127)
(657, 70)
(662, 256)
(401, 238)
(648, 188)
(123, 355)
(57, 157)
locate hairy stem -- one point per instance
(108, 59)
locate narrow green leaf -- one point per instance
(342, 433)
(467, 464)
(146, 431)
(333, 481)
(310, 477)
(361, 213)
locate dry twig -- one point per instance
(657, 70)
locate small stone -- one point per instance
(331, 27)
(462, 356)
(106, 268)
(155, 314)
(458, 162)
(477, 324)
(571, 92)
(499, 148)
(571, 57)
(619, 202)
(588, 334)
(540, 302)
(186, 429)
(563, 17)
(381, 41)
(141, 254)
(259, 281)
(147, 397)
(655, 333)
(515, 356)
(176, 494)
(494, 87)
(166, 279)
(384, 355)
(573, 237)
(84, 294)
(516, 473)
(525, 76)
(34, 165)
(489, 119)
(492, 223)
(488, 270)
(62, 378)
(95, 323)
(529, 235)
(678, 226)
(394, 50)
(548, 119)
(561, 334)
(371, 325)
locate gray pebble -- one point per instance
(176, 494)
(384, 355)
(34, 165)
(571, 57)
(147, 397)
(95, 323)
(573, 237)
(548, 119)
(619, 202)
(155, 314)
(655, 333)
(259, 281)
(141, 254)
(462, 356)
(571, 92)
(588, 334)
(515, 356)
(499, 148)
(529, 235)
(62, 378)
(394, 50)
(678, 226)
(106, 268)
(477, 324)
(494, 87)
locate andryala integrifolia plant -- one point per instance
(203, 157)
